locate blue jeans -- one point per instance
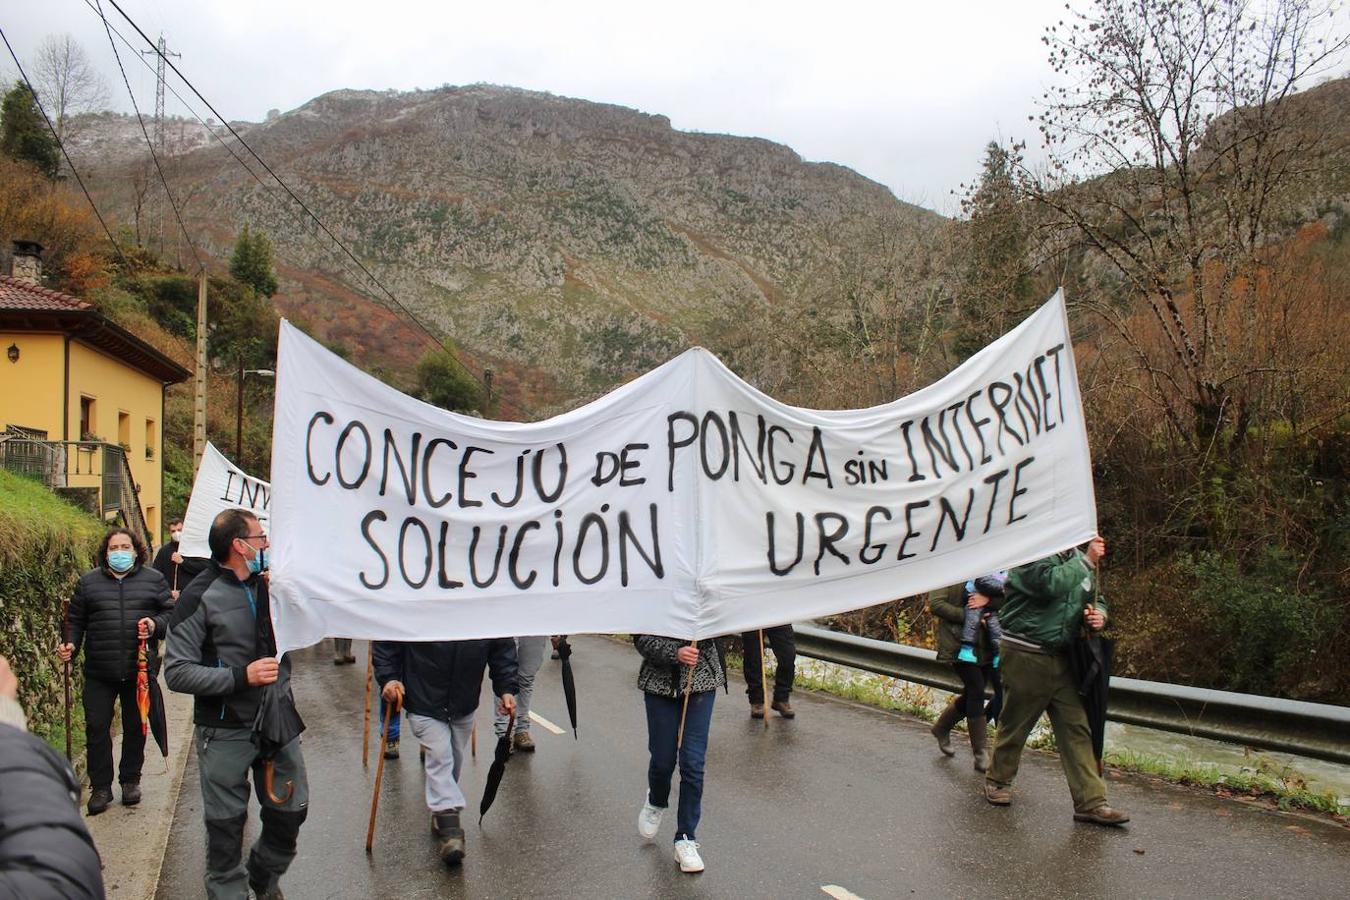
(395, 721)
(663, 725)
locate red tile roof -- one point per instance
(18, 294)
(26, 307)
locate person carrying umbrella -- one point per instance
(222, 650)
(115, 606)
(529, 657)
(1047, 604)
(438, 683)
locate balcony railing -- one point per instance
(92, 468)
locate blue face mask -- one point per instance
(121, 560)
(258, 563)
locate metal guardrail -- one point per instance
(1316, 730)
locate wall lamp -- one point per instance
(13, 353)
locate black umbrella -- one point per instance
(569, 683)
(1090, 658)
(159, 727)
(276, 724)
(497, 769)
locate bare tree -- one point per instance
(1178, 159)
(868, 324)
(67, 82)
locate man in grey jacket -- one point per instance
(222, 650)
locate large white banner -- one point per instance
(220, 485)
(685, 503)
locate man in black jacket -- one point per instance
(178, 570)
(46, 853)
(221, 649)
(439, 683)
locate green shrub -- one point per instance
(45, 545)
(1268, 633)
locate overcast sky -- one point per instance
(906, 93)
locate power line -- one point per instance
(270, 189)
(94, 206)
(151, 147)
(370, 275)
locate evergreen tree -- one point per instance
(23, 133)
(444, 382)
(996, 286)
(251, 264)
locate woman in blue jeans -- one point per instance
(666, 665)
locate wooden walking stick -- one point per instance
(65, 639)
(763, 679)
(389, 709)
(684, 711)
(365, 732)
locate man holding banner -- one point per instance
(222, 650)
(1047, 605)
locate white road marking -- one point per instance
(839, 893)
(544, 723)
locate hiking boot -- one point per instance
(99, 800)
(260, 889)
(649, 820)
(998, 794)
(523, 742)
(979, 742)
(131, 793)
(784, 709)
(686, 854)
(449, 837)
(1102, 815)
(756, 710)
(942, 727)
(391, 750)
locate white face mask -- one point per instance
(176, 535)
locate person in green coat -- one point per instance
(949, 606)
(1047, 605)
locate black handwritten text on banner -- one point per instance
(684, 503)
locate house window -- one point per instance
(124, 430)
(150, 433)
(88, 418)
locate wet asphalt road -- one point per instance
(844, 795)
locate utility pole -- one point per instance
(162, 54)
(199, 383)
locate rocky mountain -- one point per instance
(564, 244)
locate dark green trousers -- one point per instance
(225, 758)
(1034, 683)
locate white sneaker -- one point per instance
(649, 821)
(686, 854)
